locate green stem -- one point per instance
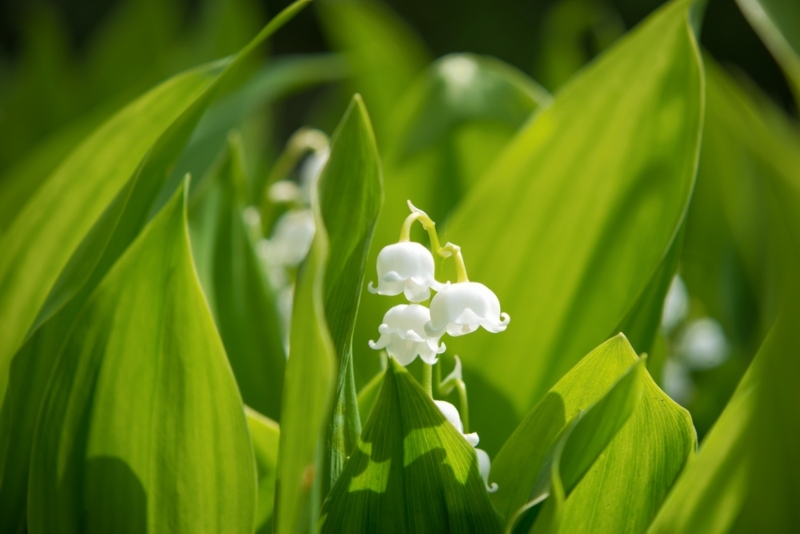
(444, 251)
(427, 379)
(462, 401)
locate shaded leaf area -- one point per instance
(732, 250)
(411, 472)
(307, 394)
(778, 24)
(265, 437)
(448, 128)
(578, 446)
(383, 54)
(598, 180)
(238, 292)
(142, 424)
(116, 228)
(647, 453)
(350, 198)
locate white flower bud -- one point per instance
(403, 335)
(291, 238)
(461, 308)
(484, 462)
(406, 267)
(450, 413)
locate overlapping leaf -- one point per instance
(142, 424)
(411, 472)
(584, 204)
(265, 436)
(353, 173)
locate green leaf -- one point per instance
(265, 436)
(579, 445)
(383, 53)
(447, 129)
(307, 394)
(589, 198)
(142, 424)
(518, 464)
(351, 194)
(412, 471)
(778, 24)
(240, 296)
(28, 372)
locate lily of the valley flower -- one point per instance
(291, 239)
(406, 267)
(403, 335)
(463, 307)
(484, 462)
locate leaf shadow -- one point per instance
(117, 496)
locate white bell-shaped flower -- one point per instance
(461, 308)
(450, 413)
(406, 267)
(485, 466)
(484, 462)
(291, 239)
(403, 335)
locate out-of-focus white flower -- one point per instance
(704, 345)
(291, 238)
(450, 413)
(677, 381)
(311, 169)
(463, 307)
(406, 267)
(286, 191)
(676, 304)
(484, 462)
(403, 335)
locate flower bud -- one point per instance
(461, 308)
(406, 267)
(403, 335)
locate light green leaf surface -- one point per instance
(518, 464)
(307, 394)
(351, 194)
(384, 55)
(579, 445)
(587, 201)
(265, 436)
(241, 299)
(142, 423)
(447, 129)
(116, 228)
(778, 24)
(412, 471)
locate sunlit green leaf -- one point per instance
(28, 372)
(353, 173)
(411, 472)
(265, 436)
(585, 203)
(152, 449)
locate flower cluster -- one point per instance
(411, 330)
(459, 308)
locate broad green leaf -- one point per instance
(383, 53)
(142, 423)
(351, 194)
(117, 227)
(586, 202)
(307, 394)
(579, 445)
(411, 472)
(778, 24)
(447, 129)
(265, 436)
(240, 297)
(518, 464)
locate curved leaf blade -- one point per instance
(154, 448)
(265, 436)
